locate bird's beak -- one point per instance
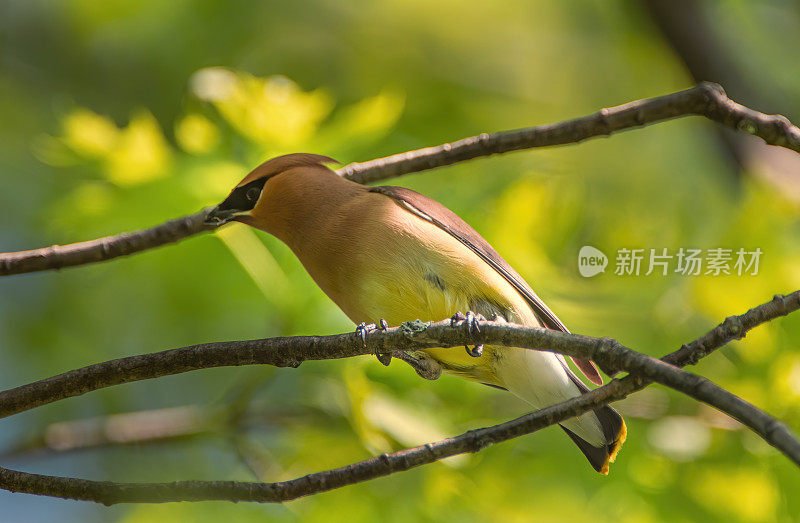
(219, 216)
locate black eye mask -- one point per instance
(243, 198)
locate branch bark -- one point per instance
(607, 352)
(102, 249)
(705, 99)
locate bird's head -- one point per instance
(262, 192)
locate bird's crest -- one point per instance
(283, 163)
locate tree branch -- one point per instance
(705, 99)
(605, 351)
(102, 249)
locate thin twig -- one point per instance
(137, 428)
(705, 99)
(102, 249)
(604, 350)
(154, 427)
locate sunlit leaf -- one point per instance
(196, 134)
(273, 112)
(362, 123)
(89, 133)
(212, 181)
(141, 153)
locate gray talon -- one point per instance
(472, 323)
(363, 329)
(456, 318)
(471, 320)
(476, 351)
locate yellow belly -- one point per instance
(417, 298)
(403, 268)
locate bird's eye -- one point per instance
(253, 193)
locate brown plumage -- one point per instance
(389, 252)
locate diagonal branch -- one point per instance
(705, 99)
(604, 350)
(102, 249)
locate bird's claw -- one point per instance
(472, 323)
(457, 318)
(362, 330)
(365, 328)
(476, 351)
(385, 359)
(471, 320)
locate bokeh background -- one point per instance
(118, 115)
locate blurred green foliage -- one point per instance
(118, 115)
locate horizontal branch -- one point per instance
(605, 351)
(706, 99)
(294, 350)
(279, 352)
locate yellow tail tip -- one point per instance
(615, 448)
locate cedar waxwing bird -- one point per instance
(389, 253)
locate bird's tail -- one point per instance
(607, 434)
(543, 379)
(614, 432)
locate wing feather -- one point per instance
(436, 213)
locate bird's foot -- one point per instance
(425, 366)
(365, 328)
(385, 359)
(471, 320)
(457, 318)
